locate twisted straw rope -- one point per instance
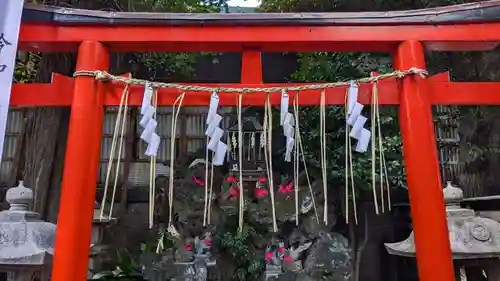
(104, 76)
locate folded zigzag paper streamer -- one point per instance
(356, 120)
(215, 133)
(288, 122)
(148, 122)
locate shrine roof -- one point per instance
(487, 11)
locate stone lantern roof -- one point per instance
(471, 236)
(24, 238)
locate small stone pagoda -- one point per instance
(474, 240)
(26, 242)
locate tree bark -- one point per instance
(45, 141)
(47, 127)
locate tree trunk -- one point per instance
(47, 127)
(45, 141)
(479, 127)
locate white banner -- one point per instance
(10, 22)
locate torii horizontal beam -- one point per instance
(59, 93)
(152, 38)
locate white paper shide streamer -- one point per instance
(148, 123)
(356, 120)
(287, 121)
(215, 133)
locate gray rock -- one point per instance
(330, 258)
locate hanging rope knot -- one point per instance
(421, 72)
(399, 74)
(102, 76)
(85, 73)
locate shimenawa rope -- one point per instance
(104, 76)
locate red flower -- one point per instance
(231, 179)
(288, 259)
(263, 180)
(261, 192)
(286, 188)
(198, 181)
(281, 250)
(269, 256)
(234, 192)
(208, 242)
(188, 247)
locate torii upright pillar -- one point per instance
(74, 223)
(428, 214)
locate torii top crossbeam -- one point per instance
(404, 34)
(451, 28)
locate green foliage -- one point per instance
(26, 67)
(176, 6)
(328, 67)
(353, 5)
(127, 270)
(177, 66)
(249, 263)
(180, 66)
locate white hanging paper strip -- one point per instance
(146, 99)
(213, 124)
(283, 107)
(148, 122)
(356, 111)
(150, 111)
(357, 127)
(220, 154)
(352, 96)
(149, 130)
(214, 132)
(153, 145)
(10, 22)
(212, 108)
(289, 119)
(364, 140)
(214, 140)
(289, 148)
(356, 120)
(288, 130)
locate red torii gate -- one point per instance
(405, 34)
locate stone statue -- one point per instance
(292, 258)
(274, 260)
(203, 244)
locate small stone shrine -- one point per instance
(475, 241)
(26, 242)
(189, 260)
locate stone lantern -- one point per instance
(26, 242)
(474, 240)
